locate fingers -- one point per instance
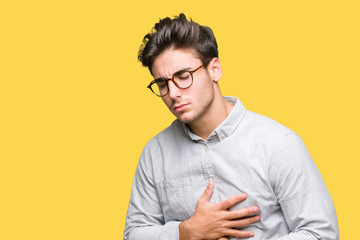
(208, 192)
(241, 213)
(243, 222)
(232, 201)
(239, 233)
(223, 238)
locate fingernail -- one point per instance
(243, 195)
(255, 209)
(210, 180)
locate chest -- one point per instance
(182, 176)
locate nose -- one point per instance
(174, 91)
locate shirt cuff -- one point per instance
(170, 231)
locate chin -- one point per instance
(186, 118)
(186, 121)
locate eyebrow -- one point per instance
(179, 71)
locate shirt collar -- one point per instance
(228, 126)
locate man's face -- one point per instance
(191, 104)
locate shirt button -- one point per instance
(222, 135)
(206, 147)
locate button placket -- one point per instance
(206, 165)
(206, 147)
(208, 170)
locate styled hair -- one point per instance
(178, 33)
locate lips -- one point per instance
(179, 108)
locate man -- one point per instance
(219, 171)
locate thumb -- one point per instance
(208, 191)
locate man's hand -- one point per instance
(215, 221)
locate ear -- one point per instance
(215, 70)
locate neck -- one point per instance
(218, 111)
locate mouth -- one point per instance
(179, 108)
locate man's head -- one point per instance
(178, 33)
(182, 56)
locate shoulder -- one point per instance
(264, 129)
(269, 135)
(167, 136)
(285, 145)
(173, 130)
(152, 156)
(265, 124)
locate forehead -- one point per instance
(173, 60)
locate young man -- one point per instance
(219, 171)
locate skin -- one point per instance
(215, 221)
(203, 109)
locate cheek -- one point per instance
(203, 82)
(167, 101)
(203, 90)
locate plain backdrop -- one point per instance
(75, 112)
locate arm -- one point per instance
(144, 218)
(302, 193)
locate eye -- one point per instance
(161, 83)
(183, 76)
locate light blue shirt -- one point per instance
(246, 153)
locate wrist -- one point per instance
(185, 231)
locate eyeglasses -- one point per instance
(182, 79)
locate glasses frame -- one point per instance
(172, 79)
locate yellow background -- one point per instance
(75, 112)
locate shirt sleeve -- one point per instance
(144, 218)
(302, 193)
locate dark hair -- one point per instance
(178, 33)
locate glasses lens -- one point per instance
(160, 88)
(183, 80)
